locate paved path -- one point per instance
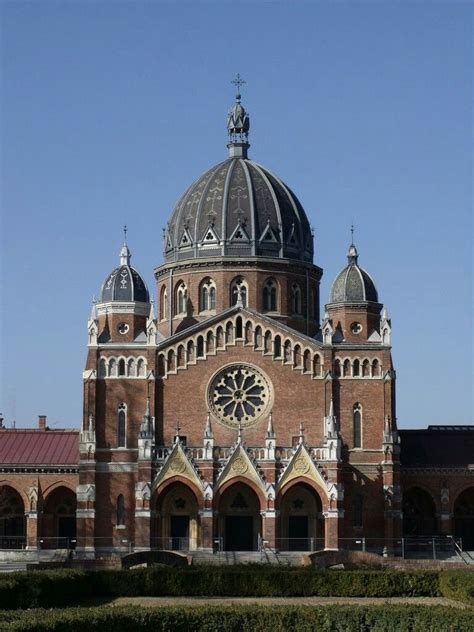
(284, 601)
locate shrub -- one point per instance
(243, 618)
(60, 588)
(457, 585)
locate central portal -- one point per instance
(239, 522)
(238, 533)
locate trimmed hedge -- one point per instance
(65, 587)
(458, 585)
(243, 619)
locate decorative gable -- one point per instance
(268, 235)
(301, 464)
(178, 464)
(240, 464)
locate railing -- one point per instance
(12, 542)
(173, 544)
(298, 544)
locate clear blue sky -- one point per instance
(111, 109)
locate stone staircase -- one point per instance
(267, 556)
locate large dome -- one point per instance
(238, 209)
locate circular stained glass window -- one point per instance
(240, 393)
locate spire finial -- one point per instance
(125, 252)
(239, 431)
(238, 125)
(238, 81)
(352, 255)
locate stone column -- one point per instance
(206, 542)
(332, 526)
(32, 534)
(269, 520)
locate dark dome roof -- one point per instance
(238, 209)
(124, 283)
(353, 284)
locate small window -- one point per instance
(270, 296)
(120, 511)
(296, 299)
(357, 422)
(181, 299)
(207, 296)
(238, 288)
(121, 423)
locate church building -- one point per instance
(228, 414)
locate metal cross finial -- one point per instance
(125, 229)
(352, 233)
(238, 81)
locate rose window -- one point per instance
(239, 394)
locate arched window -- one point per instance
(181, 298)
(248, 332)
(200, 347)
(307, 361)
(277, 347)
(238, 327)
(317, 365)
(267, 342)
(297, 356)
(365, 368)
(131, 368)
(191, 351)
(337, 367)
(229, 332)
(220, 337)
(180, 355)
(102, 367)
(207, 296)
(113, 367)
(375, 368)
(346, 368)
(287, 351)
(121, 425)
(357, 425)
(163, 307)
(356, 368)
(121, 367)
(258, 337)
(171, 360)
(296, 299)
(210, 342)
(270, 296)
(238, 286)
(120, 510)
(358, 511)
(141, 368)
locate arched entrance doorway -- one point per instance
(178, 513)
(419, 513)
(464, 518)
(239, 522)
(301, 519)
(58, 522)
(12, 519)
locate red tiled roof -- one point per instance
(39, 447)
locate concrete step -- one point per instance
(248, 557)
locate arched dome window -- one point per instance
(357, 425)
(270, 296)
(181, 299)
(207, 296)
(296, 299)
(238, 286)
(121, 425)
(163, 307)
